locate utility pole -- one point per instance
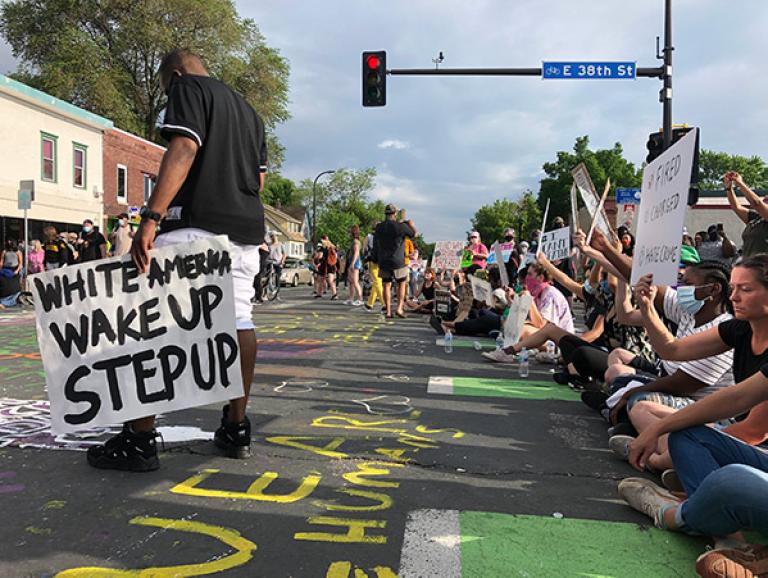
(666, 92)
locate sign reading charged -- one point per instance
(589, 70)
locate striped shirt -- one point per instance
(715, 371)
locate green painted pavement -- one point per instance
(520, 389)
(505, 545)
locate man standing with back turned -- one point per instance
(208, 184)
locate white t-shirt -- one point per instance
(715, 371)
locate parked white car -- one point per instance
(296, 273)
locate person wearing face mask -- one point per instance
(91, 244)
(513, 262)
(700, 303)
(122, 236)
(716, 246)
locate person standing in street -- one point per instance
(277, 254)
(121, 237)
(389, 243)
(371, 259)
(208, 185)
(91, 245)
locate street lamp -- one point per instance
(314, 205)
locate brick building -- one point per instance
(131, 164)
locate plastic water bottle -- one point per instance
(523, 367)
(499, 341)
(448, 341)
(551, 349)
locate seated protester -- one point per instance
(701, 303)
(427, 292)
(549, 304)
(486, 320)
(10, 290)
(552, 332)
(725, 479)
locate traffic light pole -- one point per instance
(666, 92)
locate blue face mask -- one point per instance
(605, 288)
(588, 287)
(686, 299)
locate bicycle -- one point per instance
(270, 282)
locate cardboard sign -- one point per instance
(574, 210)
(481, 290)
(600, 210)
(117, 345)
(543, 227)
(518, 313)
(506, 251)
(662, 211)
(447, 255)
(556, 244)
(589, 195)
(442, 303)
(498, 253)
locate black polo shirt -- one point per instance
(221, 192)
(389, 239)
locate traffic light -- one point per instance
(375, 78)
(655, 147)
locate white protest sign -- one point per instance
(518, 313)
(481, 290)
(499, 255)
(447, 255)
(574, 209)
(556, 244)
(599, 210)
(588, 193)
(117, 345)
(506, 251)
(662, 211)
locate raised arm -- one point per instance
(557, 275)
(626, 314)
(752, 198)
(698, 346)
(741, 211)
(621, 263)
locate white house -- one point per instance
(59, 146)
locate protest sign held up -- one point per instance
(556, 244)
(589, 195)
(447, 255)
(505, 249)
(662, 211)
(117, 345)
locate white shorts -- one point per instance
(245, 266)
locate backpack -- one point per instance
(332, 257)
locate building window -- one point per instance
(122, 184)
(149, 185)
(79, 153)
(48, 157)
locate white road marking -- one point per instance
(440, 385)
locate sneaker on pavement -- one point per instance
(646, 497)
(233, 438)
(594, 399)
(357, 303)
(672, 482)
(500, 356)
(128, 451)
(334, 297)
(347, 302)
(622, 428)
(619, 445)
(751, 561)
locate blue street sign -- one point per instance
(627, 196)
(591, 70)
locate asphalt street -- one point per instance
(360, 469)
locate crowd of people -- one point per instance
(680, 374)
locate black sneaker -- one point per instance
(233, 438)
(594, 399)
(129, 451)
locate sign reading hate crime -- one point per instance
(556, 244)
(662, 211)
(117, 345)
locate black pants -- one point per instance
(483, 324)
(589, 360)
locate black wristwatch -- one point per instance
(145, 213)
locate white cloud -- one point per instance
(394, 144)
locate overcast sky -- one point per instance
(443, 146)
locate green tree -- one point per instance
(344, 192)
(103, 55)
(601, 164)
(713, 165)
(280, 190)
(523, 215)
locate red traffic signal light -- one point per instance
(375, 78)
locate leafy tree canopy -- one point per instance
(523, 215)
(601, 164)
(713, 165)
(103, 55)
